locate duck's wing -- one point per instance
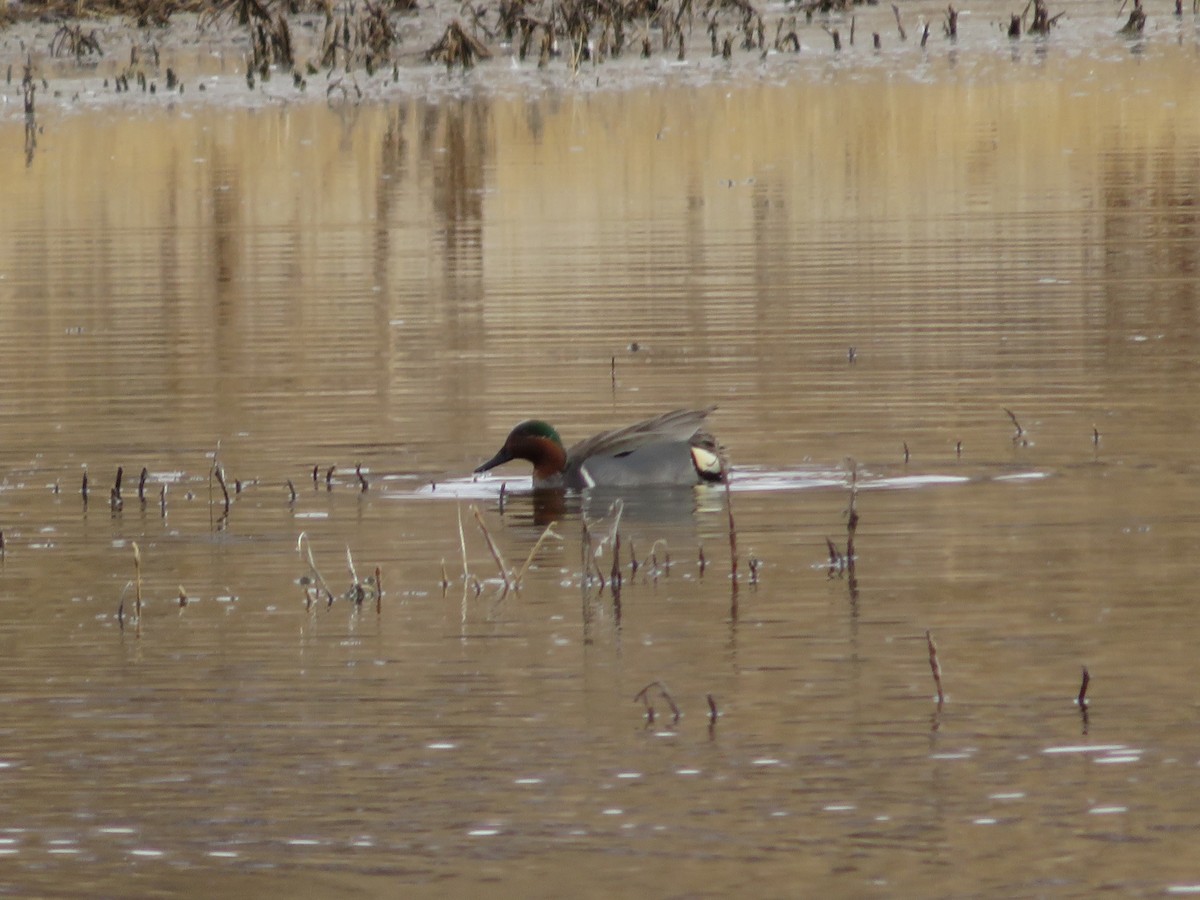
(679, 425)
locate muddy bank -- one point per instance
(250, 52)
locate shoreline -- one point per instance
(99, 62)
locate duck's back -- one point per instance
(658, 451)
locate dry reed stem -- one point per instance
(935, 667)
(1082, 700)
(614, 576)
(462, 543)
(644, 696)
(378, 590)
(652, 559)
(1020, 432)
(304, 547)
(137, 589)
(713, 715)
(547, 533)
(492, 548)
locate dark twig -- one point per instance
(114, 497)
(644, 696)
(1020, 432)
(935, 667)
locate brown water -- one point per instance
(394, 284)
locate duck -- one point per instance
(668, 449)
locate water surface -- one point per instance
(394, 284)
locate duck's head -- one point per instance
(537, 442)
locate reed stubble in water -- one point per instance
(935, 667)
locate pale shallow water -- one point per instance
(395, 284)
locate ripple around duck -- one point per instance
(746, 480)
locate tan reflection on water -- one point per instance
(396, 285)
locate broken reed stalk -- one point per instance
(291, 492)
(329, 477)
(1020, 432)
(713, 715)
(114, 497)
(183, 598)
(304, 547)
(951, 24)
(588, 556)
(836, 561)
(852, 513)
(462, 543)
(355, 592)
(548, 532)
(644, 696)
(493, 549)
(1082, 700)
(137, 589)
(142, 485)
(378, 591)
(220, 476)
(362, 479)
(653, 557)
(83, 489)
(899, 24)
(935, 667)
(614, 576)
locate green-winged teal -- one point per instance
(671, 449)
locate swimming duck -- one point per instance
(671, 449)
